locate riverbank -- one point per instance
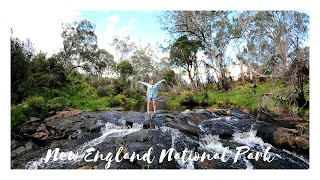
(197, 131)
(266, 103)
(269, 98)
(79, 93)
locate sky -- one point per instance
(44, 27)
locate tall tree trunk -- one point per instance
(249, 63)
(196, 71)
(191, 78)
(224, 81)
(240, 59)
(241, 70)
(250, 70)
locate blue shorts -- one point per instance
(152, 98)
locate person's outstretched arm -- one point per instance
(158, 83)
(144, 83)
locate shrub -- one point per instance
(104, 91)
(96, 82)
(131, 101)
(133, 93)
(97, 104)
(186, 98)
(17, 115)
(58, 103)
(119, 99)
(119, 85)
(200, 98)
(36, 106)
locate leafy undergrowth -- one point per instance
(76, 94)
(271, 97)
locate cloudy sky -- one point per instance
(43, 27)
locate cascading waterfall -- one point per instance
(175, 135)
(212, 143)
(205, 141)
(110, 130)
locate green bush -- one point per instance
(36, 106)
(96, 83)
(200, 98)
(133, 93)
(104, 91)
(96, 104)
(58, 103)
(187, 98)
(119, 99)
(131, 102)
(119, 85)
(17, 115)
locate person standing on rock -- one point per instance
(152, 95)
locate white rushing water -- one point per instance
(175, 135)
(212, 143)
(110, 130)
(208, 142)
(250, 139)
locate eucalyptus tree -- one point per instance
(213, 28)
(123, 47)
(103, 62)
(183, 53)
(142, 62)
(277, 32)
(79, 44)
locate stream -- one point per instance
(192, 131)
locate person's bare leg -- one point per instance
(154, 107)
(148, 106)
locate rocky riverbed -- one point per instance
(199, 131)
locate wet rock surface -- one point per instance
(201, 131)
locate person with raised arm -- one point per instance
(152, 95)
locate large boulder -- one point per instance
(184, 125)
(41, 133)
(34, 119)
(302, 141)
(225, 127)
(22, 149)
(29, 145)
(284, 137)
(19, 151)
(67, 113)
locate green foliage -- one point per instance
(169, 76)
(189, 98)
(17, 115)
(201, 98)
(183, 52)
(119, 99)
(241, 96)
(58, 103)
(79, 44)
(37, 76)
(120, 85)
(36, 106)
(124, 68)
(104, 91)
(21, 53)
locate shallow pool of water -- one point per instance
(161, 105)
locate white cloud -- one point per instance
(114, 19)
(112, 29)
(42, 26)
